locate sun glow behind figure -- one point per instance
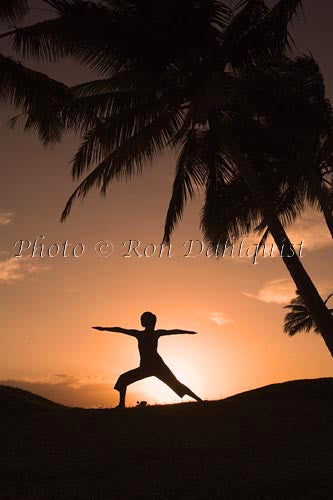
(157, 392)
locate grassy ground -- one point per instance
(274, 443)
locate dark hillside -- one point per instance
(273, 443)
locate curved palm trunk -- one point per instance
(322, 198)
(306, 288)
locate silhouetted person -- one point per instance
(151, 363)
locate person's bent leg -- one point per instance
(166, 376)
(126, 379)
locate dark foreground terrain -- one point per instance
(274, 443)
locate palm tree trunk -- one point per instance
(322, 198)
(306, 288)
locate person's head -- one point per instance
(148, 320)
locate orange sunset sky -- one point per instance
(48, 305)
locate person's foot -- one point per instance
(119, 407)
(194, 396)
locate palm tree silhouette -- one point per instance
(298, 319)
(27, 89)
(292, 170)
(187, 91)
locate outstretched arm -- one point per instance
(117, 329)
(174, 332)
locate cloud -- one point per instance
(6, 218)
(16, 269)
(219, 318)
(311, 229)
(85, 391)
(276, 291)
(281, 291)
(71, 290)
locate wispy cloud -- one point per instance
(16, 269)
(72, 381)
(311, 229)
(71, 290)
(219, 318)
(6, 218)
(281, 291)
(276, 291)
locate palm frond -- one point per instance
(35, 94)
(258, 34)
(285, 10)
(125, 108)
(328, 298)
(13, 10)
(190, 172)
(108, 36)
(233, 214)
(129, 116)
(126, 160)
(80, 31)
(298, 319)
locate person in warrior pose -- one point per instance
(151, 363)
